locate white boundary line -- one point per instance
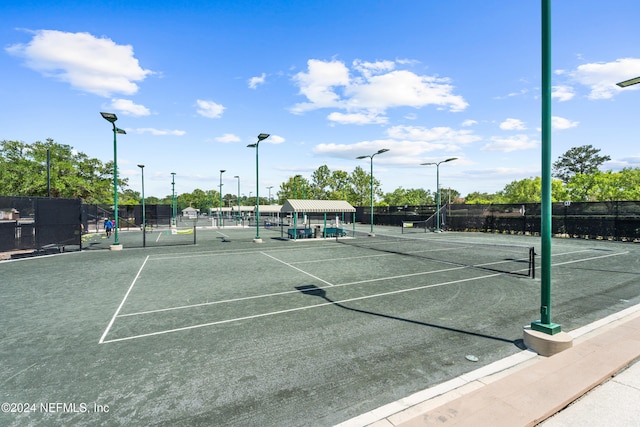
(122, 302)
(296, 268)
(288, 292)
(306, 307)
(273, 313)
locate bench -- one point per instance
(302, 233)
(334, 232)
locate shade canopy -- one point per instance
(317, 206)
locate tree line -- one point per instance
(23, 172)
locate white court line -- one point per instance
(589, 259)
(316, 305)
(296, 268)
(122, 302)
(232, 252)
(284, 293)
(158, 238)
(290, 310)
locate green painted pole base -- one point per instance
(547, 328)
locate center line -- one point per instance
(296, 268)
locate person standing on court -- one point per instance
(108, 226)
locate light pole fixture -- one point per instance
(629, 82)
(111, 118)
(269, 188)
(261, 137)
(220, 208)
(173, 198)
(384, 150)
(238, 176)
(144, 216)
(438, 188)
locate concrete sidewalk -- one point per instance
(526, 389)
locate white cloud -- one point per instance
(368, 69)
(274, 139)
(128, 108)
(317, 84)
(562, 93)
(255, 81)
(228, 137)
(357, 118)
(513, 143)
(401, 152)
(560, 123)
(601, 77)
(160, 132)
(209, 109)
(443, 135)
(87, 63)
(403, 88)
(512, 124)
(467, 123)
(374, 88)
(406, 144)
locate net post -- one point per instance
(532, 262)
(194, 234)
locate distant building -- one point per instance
(190, 212)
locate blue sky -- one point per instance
(194, 82)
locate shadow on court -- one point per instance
(313, 290)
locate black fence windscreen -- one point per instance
(618, 220)
(40, 224)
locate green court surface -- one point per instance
(229, 332)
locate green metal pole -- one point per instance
(238, 216)
(257, 197)
(144, 216)
(544, 324)
(173, 198)
(220, 209)
(115, 182)
(371, 193)
(437, 197)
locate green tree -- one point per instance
(578, 160)
(321, 183)
(129, 197)
(449, 195)
(410, 197)
(605, 186)
(339, 188)
(360, 182)
(529, 190)
(23, 172)
(478, 198)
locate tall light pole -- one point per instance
(269, 188)
(261, 137)
(384, 150)
(438, 188)
(144, 216)
(111, 118)
(173, 198)
(220, 208)
(238, 176)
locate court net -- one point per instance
(517, 260)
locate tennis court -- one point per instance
(311, 332)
